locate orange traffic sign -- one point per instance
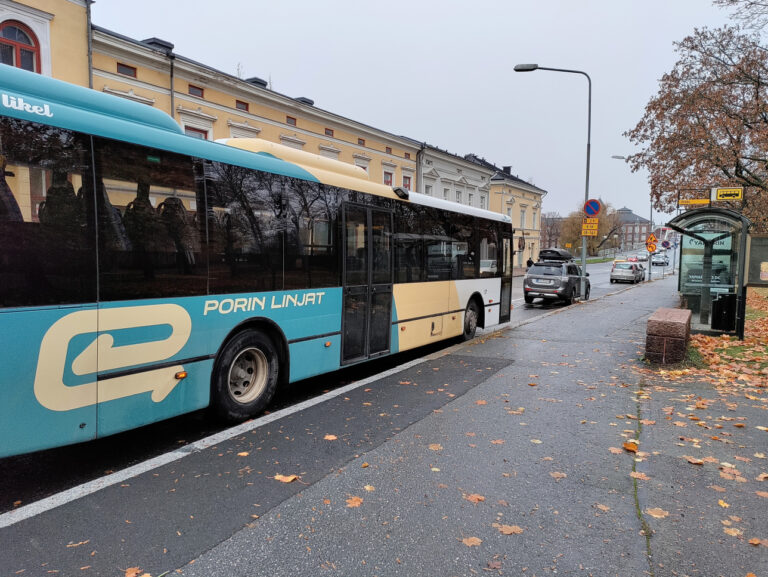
(651, 239)
(651, 247)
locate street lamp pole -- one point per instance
(531, 68)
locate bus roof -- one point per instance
(30, 96)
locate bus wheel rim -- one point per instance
(248, 375)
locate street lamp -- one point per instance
(650, 222)
(532, 68)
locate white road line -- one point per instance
(43, 505)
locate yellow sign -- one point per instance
(651, 239)
(729, 193)
(588, 231)
(588, 226)
(684, 201)
(651, 247)
(568, 245)
(592, 220)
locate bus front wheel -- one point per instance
(245, 376)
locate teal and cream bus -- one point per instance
(145, 274)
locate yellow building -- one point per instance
(211, 104)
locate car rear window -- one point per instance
(544, 269)
(624, 265)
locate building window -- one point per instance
(533, 218)
(196, 133)
(428, 190)
(361, 141)
(407, 155)
(407, 182)
(240, 105)
(458, 196)
(196, 91)
(388, 178)
(290, 121)
(389, 150)
(482, 202)
(19, 46)
(470, 198)
(522, 218)
(446, 192)
(126, 70)
(329, 131)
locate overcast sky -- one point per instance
(441, 71)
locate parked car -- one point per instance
(627, 272)
(659, 259)
(642, 257)
(554, 279)
(632, 258)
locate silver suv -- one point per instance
(551, 279)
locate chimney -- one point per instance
(305, 100)
(257, 82)
(159, 44)
(507, 170)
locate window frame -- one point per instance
(17, 46)
(329, 132)
(291, 120)
(242, 105)
(193, 88)
(127, 69)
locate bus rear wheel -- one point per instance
(470, 321)
(245, 376)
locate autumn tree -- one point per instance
(708, 124)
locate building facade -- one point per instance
(56, 38)
(634, 229)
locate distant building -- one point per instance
(634, 229)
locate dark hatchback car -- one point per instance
(554, 279)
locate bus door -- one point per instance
(506, 278)
(366, 322)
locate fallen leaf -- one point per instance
(364, 466)
(474, 498)
(657, 513)
(132, 572)
(472, 541)
(243, 454)
(532, 384)
(717, 488)
(353, 502)
(497, 442)
(286, 478)
(732, 531)
(693, 460)
(535, 441)
(330, 437)
(481, 402)
(763, 494)
(508, 529)
(557, 475)
(641, 476)
(369, 488)
(761, 477)
(723, 504)
(604, 508)
(435, 447)
(615, 450)
(630, 446)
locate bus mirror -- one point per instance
(401, 192)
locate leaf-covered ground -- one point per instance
(730, 361)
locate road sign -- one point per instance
(592, 207)
(651, 247)
(651, 239)
(588, 226)
(568, 245)
(687, 201)
(588, 232)
(666, 244)
(593, 220)
(734, 193)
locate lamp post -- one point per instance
(650, 224)
(531, 68)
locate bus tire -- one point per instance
(471, 315)
(245, 376)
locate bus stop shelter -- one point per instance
(712, 278)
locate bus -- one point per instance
(145, 273)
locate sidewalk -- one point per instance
(525, 473)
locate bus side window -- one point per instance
(46, 244)
(150, 238)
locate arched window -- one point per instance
(19, 46)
